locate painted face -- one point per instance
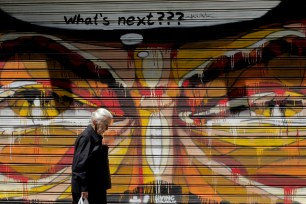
(49, 104)
(191, 119)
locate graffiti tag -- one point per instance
(159, 18)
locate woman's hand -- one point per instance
(84, 195)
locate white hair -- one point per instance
(101, 115)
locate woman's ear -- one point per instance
(94, 122)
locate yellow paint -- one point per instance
(115, 163)
(192, 55)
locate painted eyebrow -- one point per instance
(73, 58)
(271, 46)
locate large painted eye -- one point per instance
(269, 105)
(37, 102)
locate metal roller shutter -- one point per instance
(210, 111)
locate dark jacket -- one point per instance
(90, 167)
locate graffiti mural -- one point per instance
(203, 121)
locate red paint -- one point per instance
(11, 173)
(289, 192)
(186, 83)
(235, 173)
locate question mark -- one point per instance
(170, 17)
(181, 17)
(160, 18)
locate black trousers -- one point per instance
(93, 197)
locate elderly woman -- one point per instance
(90, 168)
